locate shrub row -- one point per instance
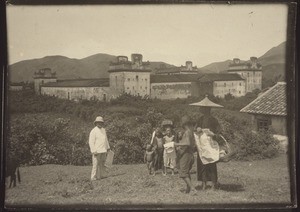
(129, 123)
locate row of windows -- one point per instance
(137, 78)
(133, 88)
(229, 91)
(225, 84)
(248, 74)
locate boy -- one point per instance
(149, 158)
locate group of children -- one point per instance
(161, 152)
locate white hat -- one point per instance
(98, 119)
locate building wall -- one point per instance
(253, 79)
(276, 123)
(205, 88)
(236, 88)
(40, 81)
(137, 83)
(116, 82)
(171, 90)
(279, 125)
(15, 87)
(77, 93)
(134, 83)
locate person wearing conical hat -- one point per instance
(207, 172)
(99, 146)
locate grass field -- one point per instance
(264, 181)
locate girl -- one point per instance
(169, 151)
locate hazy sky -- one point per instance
(170, 33)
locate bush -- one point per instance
(129, 122)
(256, 146)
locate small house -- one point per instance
(269, 110)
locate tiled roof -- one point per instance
(174, 78)
(220, 77)
(101, 82)
(271, 102)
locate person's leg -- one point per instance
(188, 183)
(94, 167)
(214, 175)
(165, 156)
(102, 159)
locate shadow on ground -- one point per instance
(225, 187)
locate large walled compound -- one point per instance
(136, 78)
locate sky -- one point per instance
(203, 33)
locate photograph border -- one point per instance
(292, 60)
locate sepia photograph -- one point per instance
(159, 106)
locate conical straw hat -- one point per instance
(206, 103)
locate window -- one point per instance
(145, 79)
(248, 74)
(127, 88)
(137, 77)
(133, 87)
(128, 79)
(263, 124)
(240, 84)
(239, 92)
(232, 83)
(224, 84)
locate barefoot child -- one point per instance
(186, 156)
(149, 158)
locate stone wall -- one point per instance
(171, 90)
(77, 93)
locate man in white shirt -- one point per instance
(99, 146)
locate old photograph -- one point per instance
(149, 106)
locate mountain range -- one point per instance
(96, 66)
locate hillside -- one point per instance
(273, 62)
(94, 66)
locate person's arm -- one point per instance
(153, 136)
(92, 140)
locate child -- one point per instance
(186, 157)
(158, 145)
(169, 152)
(149, 158)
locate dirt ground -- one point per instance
(264, 181)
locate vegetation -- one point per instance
(42, 127)
(242, 182)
